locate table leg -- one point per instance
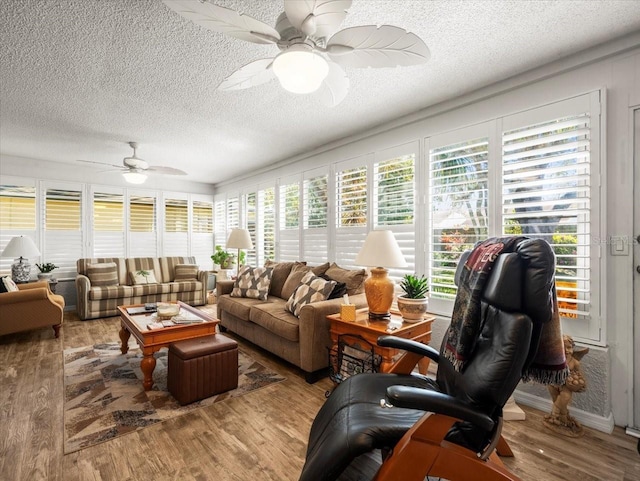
(147, 365)
(124, 338)
(423, 365)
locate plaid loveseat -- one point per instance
(102, 300)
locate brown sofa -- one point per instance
(33, 306)
(102, 300)
(302, 341)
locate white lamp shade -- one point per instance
(134, 177)
(381, 249)
(239, 239)
(21, 247)
(300, 70)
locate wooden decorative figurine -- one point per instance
(559, 420)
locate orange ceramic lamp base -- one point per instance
(379, 289)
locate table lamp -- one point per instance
(21, 248)
(239, 239)
(380, 251)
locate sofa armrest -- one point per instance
(314, 330)
(83, 286)
(203, 276)
(24, 295)
(224, 287)
(34, 285)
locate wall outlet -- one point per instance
(619, 245)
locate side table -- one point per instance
(370, 330)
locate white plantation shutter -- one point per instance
(142, 226)
(220, 222)
(108, 225)
(250, 221)
(394, 206)
(63, 234)
(289, 221)
(547, 193)
(351, 211)
(458, 203)
(202, 232)
(176, 227)
(17, 217)
(315, 218)
(266, 235)
(233, 216)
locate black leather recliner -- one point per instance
(393, 412)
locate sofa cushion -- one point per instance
(296, 275)
(7, 284)
(338, 291)
(110, 292)
(184, 286)
(123, 274)
(147, 289)
(185, 272)
(281, 271)
(143, 276)
(168, 267)
(237, 306)
(274, 318)
(103, 274)
(252, 282)
(311, 289)
(354, 279)
(134, 264)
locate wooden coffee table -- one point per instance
(370, 330)
(152, 340)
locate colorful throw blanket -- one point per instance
(549, 364)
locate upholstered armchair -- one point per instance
(31, 307)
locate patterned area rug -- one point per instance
(104, 397)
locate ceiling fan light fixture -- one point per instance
(134, 177)
(300, 70)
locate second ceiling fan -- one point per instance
(312, 52)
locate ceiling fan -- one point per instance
(135, 170)
(312, 52)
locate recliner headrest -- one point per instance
(504, 286)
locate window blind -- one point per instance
(176, 227)
(142, 226)
(351, 209)
(220, 222)
(266, 242)
(108, 225)
(289, 222)
(202, 233)
(63, 234)
(17, 217)
(315, 219)
(250, 217)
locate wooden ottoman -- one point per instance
(201, 367)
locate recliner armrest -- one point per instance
(437, 402)
(409, 345)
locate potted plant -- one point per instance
(223, 258)
(413, 303)
(46, 270)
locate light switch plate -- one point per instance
(619, 245)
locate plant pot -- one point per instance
(45, 276)
(412, 310)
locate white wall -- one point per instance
(613, 68)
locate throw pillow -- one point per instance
(103, 274)
(354, 279)
(185, 272)
(296, 275)
(281, 271)
(7, 285)
(311, 289)
(338, 291)
(143, 276)
(252, 282)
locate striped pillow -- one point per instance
(103, 274)
(185, 272)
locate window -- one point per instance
(351, 210)
(266, 238)
(394, 204)
(220, 222)
(458, 202)
(63, 234)
(315, 217)
(547, 193)
(175, 238)
(142, 226)
(289, 230)
(17, 217)
(233, 216)
(250, 215)
(202, 232)
(108, 225)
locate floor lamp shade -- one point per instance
(380, 251)
(239, 239)
(21, 248)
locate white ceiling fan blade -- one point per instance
(252, 74)
(101, 163)
(335, 87)
(220, 19)
(319, 18)
(160, 169)
(371, 46)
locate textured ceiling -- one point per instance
(80, 78)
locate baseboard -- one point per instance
(600, 423)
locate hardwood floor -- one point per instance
(260, 435)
